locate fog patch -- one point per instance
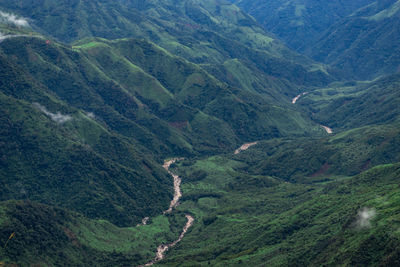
(57, 117)
(13, 19)
(364, 217)
(90, 115)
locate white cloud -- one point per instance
(57, 117)
(13, 19)
(364, 217)
(90, 115)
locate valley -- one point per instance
(199, 133)
(163, 248)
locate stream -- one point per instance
(163, 248)
(327, 129)
(294, 100)
(245, 147)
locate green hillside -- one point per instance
(348, 105)
(110, 109)
(207, 32)
(299, 22)
(261, 220)
(363, 44)
(54, 237)
(356, 38)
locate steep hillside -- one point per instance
(43, 235)
(68, 158)
(299, 22)
(247, 219)
(357, 38)
(110, 109)
(364, 44)
(119, 107)
(207, 32)
(348, 105)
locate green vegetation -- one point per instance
(53, 236)
(299, 23)
(364, 44)
(258, 220)
(358, 39)
(349, 105)
(88, 116)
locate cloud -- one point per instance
(13, 19)
(90, 115)
(364, 217)
(57, 117)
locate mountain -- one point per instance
(356, 38)
(363, 44)
(256, 219)
(349, 105)
(203, 32)
(120, 107)
(111, 109)
(299, 23)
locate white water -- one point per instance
(144, 221)
(245, 147)
(327, 129)
(294, 100)
(163, 248)
(177, 185)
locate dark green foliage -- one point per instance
(85, 127)
(306, 160)
(348, 106)
(47, 235)
(290, 224)
(299, 23)
(47, 162)
(357, 38)
(363, 45)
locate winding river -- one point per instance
(163, 248)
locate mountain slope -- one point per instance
(249, 219)
(86, 125)
(123, 105)
(299, 23)
(76, 164)
(50, 236)
(364, 44)
(208, 32)
(345, 106)
(357, 38)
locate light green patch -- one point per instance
(104, 236)
(241, 73)
(88, 45)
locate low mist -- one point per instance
(13, 19)
(364, 217)
(57, 117)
